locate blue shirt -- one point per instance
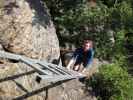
(82, 57)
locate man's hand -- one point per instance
(76, 67)
(84, 70)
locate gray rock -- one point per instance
(26, 28)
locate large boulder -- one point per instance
(26, 28)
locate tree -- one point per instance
(101, 23)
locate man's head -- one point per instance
(87, 44)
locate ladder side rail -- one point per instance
(63, 79)
(10, 56)
(56, 78)
(75, 73)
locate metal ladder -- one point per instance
(46, 71)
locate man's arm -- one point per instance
(70, 63)
(91, 59)
(74, 57)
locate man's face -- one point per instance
(86, 46)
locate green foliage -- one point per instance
(113, 3)
(119, 54)
(112, 83)
(106, 24)
(108, 20)
(121, 16)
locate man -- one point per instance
(82, 56)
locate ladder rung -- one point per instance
(60, 68)
(7, 55)
(34, 66)
(70, 72)
(47, 71)
(53, 70)
(54, 67)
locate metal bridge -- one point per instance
(46, 71)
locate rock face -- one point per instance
(26, 29)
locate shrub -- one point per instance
(112, 83)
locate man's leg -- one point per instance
(87, 68)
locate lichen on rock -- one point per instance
(26, 28)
